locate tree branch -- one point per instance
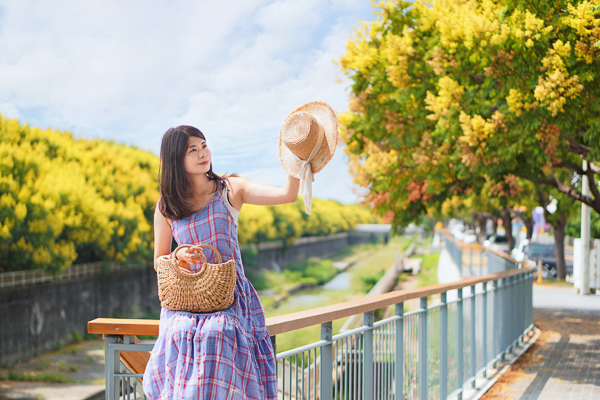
(569, 191)
(572, 167)
(593, 187)
(575, 146)
(479, 79)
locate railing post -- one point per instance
(481, 263)
(471, 262)
(511, 304)
(400, 351)
(530, 299)
(112, 359)
(423, 350)
(473, 337)
(369, 319)
(503, 311)
(326, 366)
(484, 315)
(443, 347)
(496, 314)
(459, 342)
(274, 344)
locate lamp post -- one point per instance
(584, 287)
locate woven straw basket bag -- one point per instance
(206, 291)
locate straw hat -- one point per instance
(307, 141)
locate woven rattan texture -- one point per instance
(206, 291)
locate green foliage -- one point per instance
(371, 280)
(428, 272)
(573, 227)
(64, 199)
(77, 337)
(47, 377)
(249, 255)
(314, 270)
(288, 222)
(469, 99)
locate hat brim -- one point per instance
(330, 123)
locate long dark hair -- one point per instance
(175, 190)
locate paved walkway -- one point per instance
(80, 364)
(564, 363)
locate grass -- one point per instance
(372, 260)
(381, 257)
(428, 273)
(312, 271)
(46, 377)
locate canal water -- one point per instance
(345, 286)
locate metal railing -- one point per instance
(454, 248)
(477, 260)
(77, 271)
(434, 352)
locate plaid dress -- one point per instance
(223, 355)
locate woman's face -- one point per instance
(197, 157)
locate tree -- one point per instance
(458, 96)
(65, 200)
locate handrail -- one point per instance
(285, 323)
(452, 238)
(503, 255)
(462, 245)
(477, 247)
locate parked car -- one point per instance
(498, 243)
(530, 252)
(470, 237)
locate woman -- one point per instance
(226, 354)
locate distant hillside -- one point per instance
(65, 200)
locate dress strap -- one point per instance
(234, 213)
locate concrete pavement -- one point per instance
(564, 361)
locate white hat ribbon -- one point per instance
(306, 173)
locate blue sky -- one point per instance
(129, 70)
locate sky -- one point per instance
(129, 70)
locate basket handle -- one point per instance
(201, 252)
(213, 249)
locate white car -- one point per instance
(498, 243)
(469, 237)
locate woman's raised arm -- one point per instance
(244, 191)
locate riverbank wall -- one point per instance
(38, 317)
(275, 255)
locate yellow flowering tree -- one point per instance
(455, 97)
(65, 200)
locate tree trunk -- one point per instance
(507, 224)
(528, 221)
(482, 228)
(495, 223)
(480, 222)
(559, 245)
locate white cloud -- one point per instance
(128, 71)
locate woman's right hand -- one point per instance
(190, 255)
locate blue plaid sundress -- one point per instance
(223, 355)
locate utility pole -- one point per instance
(584, 288)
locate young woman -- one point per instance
(226, 354)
